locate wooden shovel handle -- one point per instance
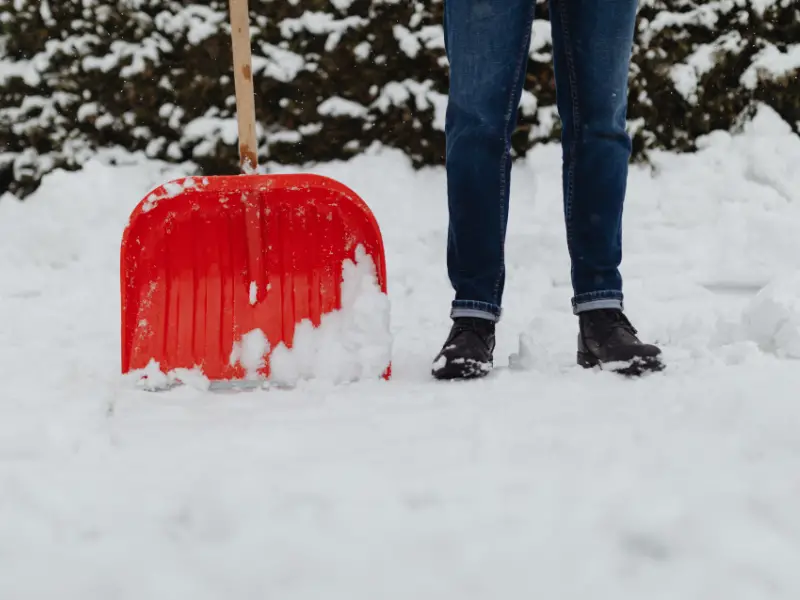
(243, 81)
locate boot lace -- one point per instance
(611, 320)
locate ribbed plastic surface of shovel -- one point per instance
(206, 260)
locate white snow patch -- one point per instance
(362, 50)
(528, 103)
(286, 137)
(253, 293)
(771, 63)
(687, 75)
(170, 190)
(398, 93)
(210, 128)
(196, 22)
(408, 42)
(431, 36)
(148, 50)
(150, 378)
(705, 15)
(277, 63)
(541, 36)
(251, 353)
(194, 378)
(772, 319)
(153, 379)
(350, 344)
(547, 117)
(46, 13)
(320, 23)
(336, 106)
(760, 6)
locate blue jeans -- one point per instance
(487, 44)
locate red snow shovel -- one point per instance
(205, 260)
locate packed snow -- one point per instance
(250, 352)
(351, 344)
(543, 480)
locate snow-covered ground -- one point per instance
(542, 481)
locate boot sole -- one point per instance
(458, 371)
(632, 368)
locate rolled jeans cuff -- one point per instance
(597, 300)
(475, 310)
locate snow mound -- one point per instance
(153, 379)
(772, 318)
(352, 343)
(250, 352)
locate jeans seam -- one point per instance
(576, 125)
(616, 294)
(474, 303)
(526, 47)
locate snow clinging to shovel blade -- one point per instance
(350, 344)
(250, 352)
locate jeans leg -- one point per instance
(592, 43)
(487, 44)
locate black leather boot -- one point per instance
(607, 339)
(468, 351)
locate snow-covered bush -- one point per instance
(334, 77)
(703, 65)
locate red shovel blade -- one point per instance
(206, 260)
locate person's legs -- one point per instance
(487, 43)
(592, 45)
